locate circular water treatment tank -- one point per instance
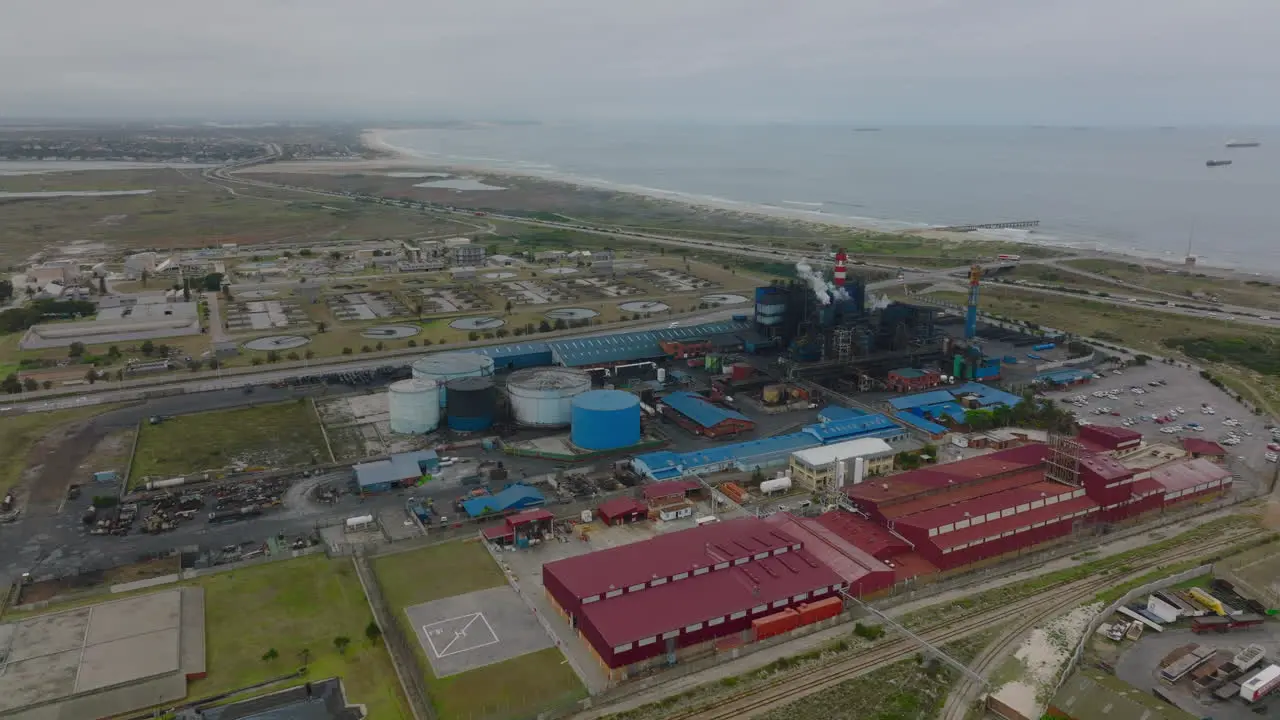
(543, 397)
(605, 420)
(443, 367)
(471, 404)
(414, 406)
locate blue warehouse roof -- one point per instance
(834, 413)
(664, 464)
(1064, 376)
(514, 497)
(952, 410)
(986, 395)
(850, 428)
(920, 423)
(698, 409)
(518, 355)
(625, 347)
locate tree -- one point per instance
(273, 356)
(186, 289)
(544, 326)
(102, 284)
(412, 343)
(30, 385)
(372, 632)
(500, 333)
(11, 384)
(256, 361)
(335, 255)
(508, 308)
(341, 642)
(293, 356)
(147, 348)
(163, 350)
(213, 363)
(309, 354)
(346, 351)
(365, 349)
(269, 655)
(560, 324)
(76, 350)
(6, 290)
(113, 352)
(46, 384)
(473, 336)
(379, 346)
(322, 326)
(193, 365)
(144, 278)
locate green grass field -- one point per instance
(290, 606)
(277, 435)
(510, 689)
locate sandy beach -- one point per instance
(398, 159)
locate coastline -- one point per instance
(401, 157)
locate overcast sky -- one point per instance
(917, 61)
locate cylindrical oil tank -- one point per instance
(605, 420)
(543, 397)
(443, 367)
(471, 403)
(414, 406)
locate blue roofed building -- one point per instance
(518, 356)
(874, 425)
(763, 453)
(949, 405)
(632, 346)
(699, 415)
(1064, 377)
(928, 427)
(514, 497)
(834, 413)
(399, 470)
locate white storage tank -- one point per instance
(543, 397)
(781, 483)
(414, 406)
(443, 367)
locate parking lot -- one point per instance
(1185, 405)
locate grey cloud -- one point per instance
(928, 61)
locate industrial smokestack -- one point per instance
(841, 271)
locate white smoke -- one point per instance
(824, 289)
(816, 281)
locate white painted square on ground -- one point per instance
(459, 634)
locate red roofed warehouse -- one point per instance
(622, 510)
(1109, 438)
(676, 592)
(912, 380)
(520, 528)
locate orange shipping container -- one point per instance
(821, 610)
(733, 491)
(775, 624)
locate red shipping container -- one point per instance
(775, 624)
(821, 610)
(741, 371)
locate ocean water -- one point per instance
(1141, 191)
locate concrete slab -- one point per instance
(468, 631)
(49, 634)
(128, 659)
(136, 616)
(191, 643)
(40, 679)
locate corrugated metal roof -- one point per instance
(1094, 695)
(670, 487)
(505, 351)
(982, 506)
(665, 461)
(1104, 466)
(985, 394)
(641, 345)
(653, 611)
(920, 423)
(950, 409)
(851, 562)
(1200, 446)
(851, 427)
(962, 493)
(836, 413)
(700, 410)
(397, 468)
(665, 555)
(1186, 474)
(915, 482)
(933, 397)
(987, 529)
(620, 506)
(863, 533)
(515, 497)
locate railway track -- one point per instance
(1021, 615)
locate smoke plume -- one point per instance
(816, 281)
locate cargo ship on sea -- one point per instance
(1242, 143)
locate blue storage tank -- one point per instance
(605, 420)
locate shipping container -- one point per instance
(821, 610)
(775, 624)
(1043, 346)
(1011, 359)
(734, 492)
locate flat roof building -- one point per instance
(678, 591)
(398, 470)
(816, 468)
